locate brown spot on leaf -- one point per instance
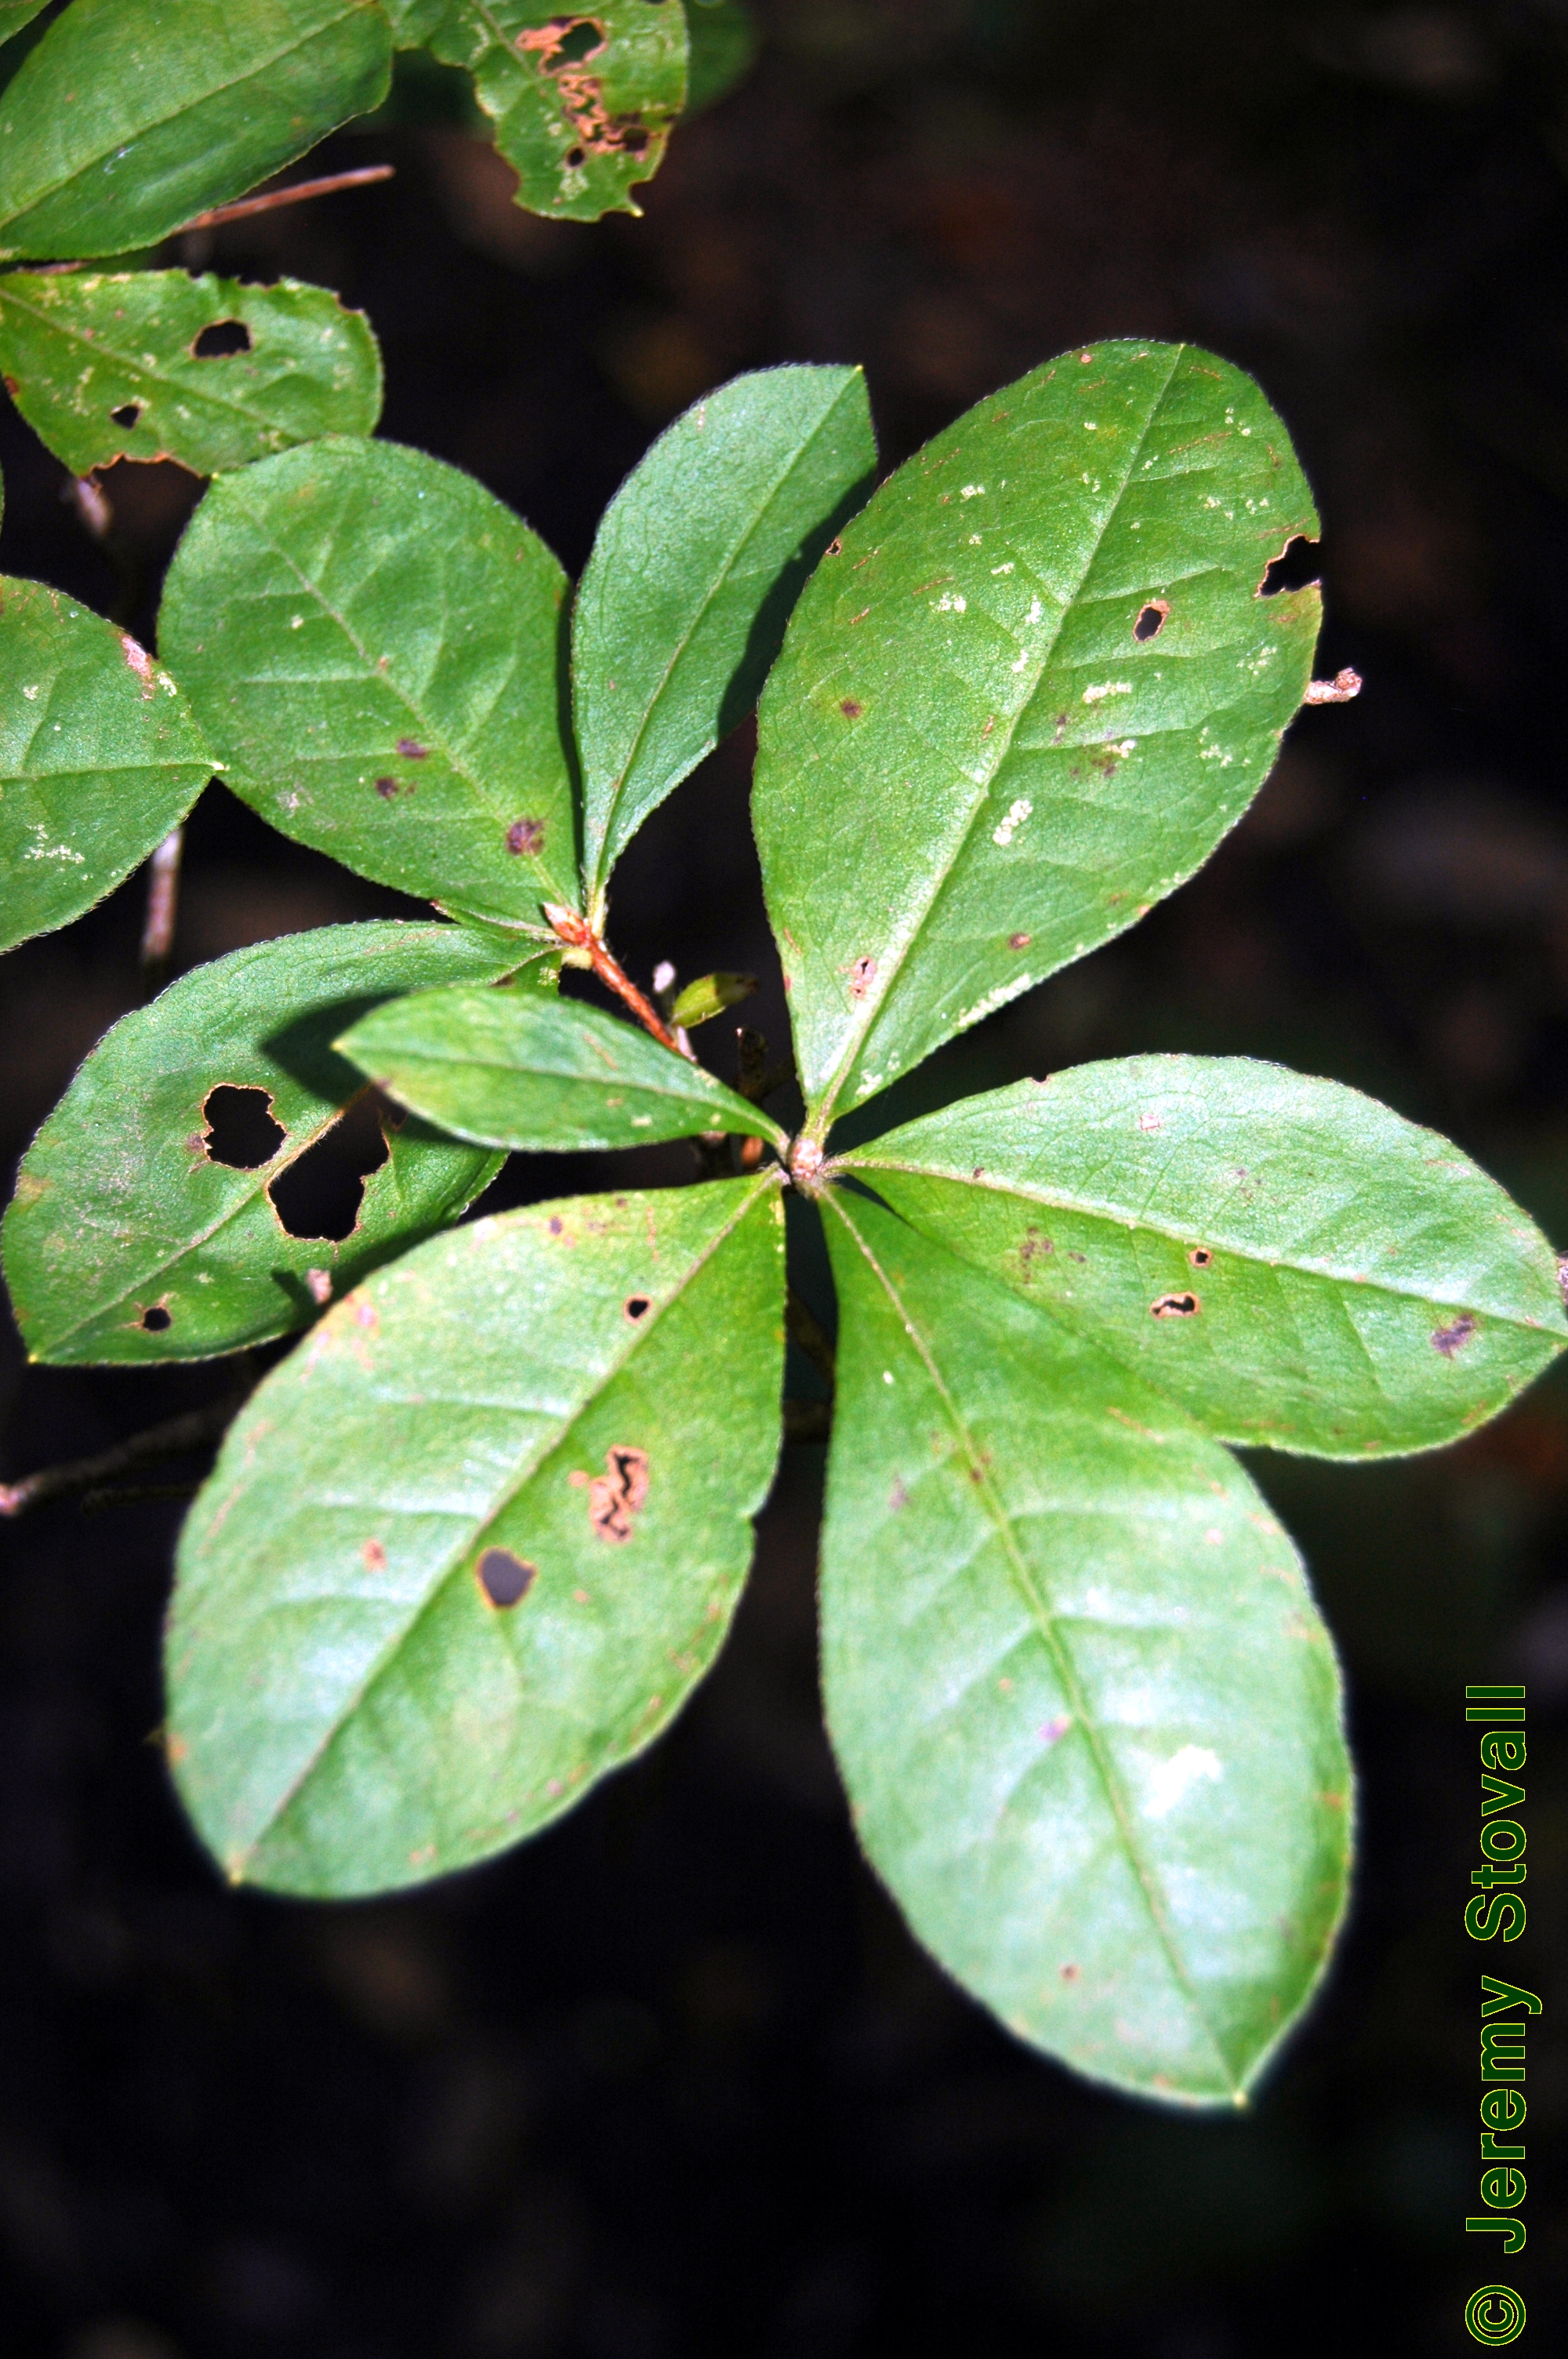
(526, 838)
(412, 751)
(850, 710)
(556, 1224)
(386, 788)
(1019, 941)
(1452, 1339)
(374, 1556)
(614, 1497)
(1175, 1306)
(505, 1579)
(861, 976)
(1034, 1245)
(1069, 1973)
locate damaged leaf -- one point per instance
(971, 768)
(1365, 1288)
(582, 100)
(1087, 1713)
(99, 758)
(696, 563)
(81, 349)
(516, 1069)
(124, 122)
(149, 1220)
(372, 643)
(352, 1707)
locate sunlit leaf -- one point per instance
(1290, 1260)
(697, 560)
(373, 642)
(1024, 699)
(126, 121)
(1087, 1713)
(476, 1541)
(152, 1215)
(515, 1068)
(99, 758)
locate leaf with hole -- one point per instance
(99, 758)
(975, 758)
(696, 563)
(582, 103)
(516, 1069)
(723, 42)
(216, 1170)
(474, 1543)
(1290, 1261)
(124, 122)
(373, 643)
(157, 365)
(1087, 1713)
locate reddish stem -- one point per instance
(361, 177)
(578, 935)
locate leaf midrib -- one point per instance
(602, 856)
(1123, 1220)
(191, 107)
(719, 1100)
(446, 1568)
(1045, 1622)
(821, 1114)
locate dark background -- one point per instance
(672, 2080)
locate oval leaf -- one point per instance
(518, 1069)
(476, 1541)
(150, 1216)
(135, 365)
(1292, 1261)
(373, 642)
(1087, 1713)
(582, 104)
(99, 758)
(1025, 698)
(698, 561)
(124, 122)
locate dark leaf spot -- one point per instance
(556, 1224)
(412, 751)
(850, 710)
(223, 337)
(574, 158)
(386, 788)
(1175, 1306)
(1152, 621)
(637, 1306)
(1449, 1340)
(319, 1195)
(1018, 942)
(505, 1579)
(861, 976)
(1200, 1257)
(1054, 1730)
(614, 1498)
(374, 1556)
(634, 139)
(128, 413)
(156, 1318)
(1069, 1973)
(1293, 569)
(526, 837)
(241, 1129)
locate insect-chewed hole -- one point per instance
(1293, 569)
(637, 1306)
(1151, 620)
(156, 1319)
(223, 337)
(128, 413)
(1175, 1306)
(241, 1130)
(583, 40)
(1200, 1257)
(573, 158)
(319, 1195)
(505, 1579)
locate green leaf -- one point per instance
(374, 643)
(1026, 699)
(724, 41)
(574, 1407)
(1084, 1708)
(129, 1240)
(125, 122)
(1294, 1263)
(99, 757)
(106, 367)
(15, 14)
(582, 104)
(518, 1069)
(697, 560)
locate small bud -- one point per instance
(710, 997)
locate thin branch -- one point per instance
(173, 1439)
(578, 935)
(162, 907)
(806, 1330)
(361, 177)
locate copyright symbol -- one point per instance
(1495, 2314)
